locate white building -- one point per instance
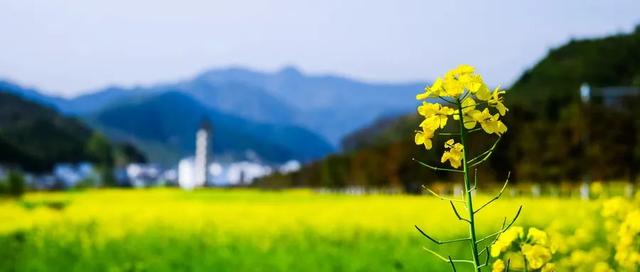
(202, 154)
(199, 171)
(229, 174)
(143, 175)
(244, 172)
(193, 172)
(187, 173)
(289, 167)
(70, 174)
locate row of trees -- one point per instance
(13, 184)
(103, 154)
(585, 141)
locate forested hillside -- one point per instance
(554, 82)
(552, 137)
(34, 138)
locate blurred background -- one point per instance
(98, 98)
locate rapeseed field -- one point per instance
(290, 230)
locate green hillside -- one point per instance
(552, 137)
(35, 137)
(554, 81)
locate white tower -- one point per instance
(202, 148)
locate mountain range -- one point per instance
(164, 126)
(331, 106)
(270, 116)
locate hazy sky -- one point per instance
(69, 47)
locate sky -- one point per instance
(67, 47)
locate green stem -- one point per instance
(467, 186)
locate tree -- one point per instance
(100, 151)
(16, 184)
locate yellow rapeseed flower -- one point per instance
(536, 255)
(602, 267)
(498, 266)
(489, 123)
(472, 82)
(424, 137)
(496, 101)
(453, 87)
(456, 82)
(436, 116)
(505, 240)
(433, 91)
(549, 267)
(483, 94)
(615, 208)
(454, 154)
(460, 79)
(537, 236)
(627, 253)
(468, 107)
(462, 69)
(597, 188)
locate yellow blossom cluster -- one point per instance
(582, 247)
(505, 240)
(607, 243)
(627, 249)
(593, 260)
(622, 223)
(461, 93)
(614, 211)
(533, 250)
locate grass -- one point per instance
(246, 230)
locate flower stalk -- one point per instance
(468, 190)
(463, 92)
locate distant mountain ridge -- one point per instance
(164, 126)
(31, 94)
(331, 106)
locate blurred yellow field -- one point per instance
(233, 230)
(117, 212)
